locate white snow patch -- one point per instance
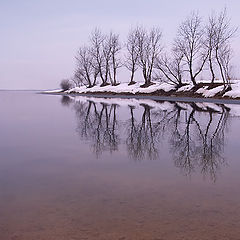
(235, 92)
(202, 90)
(212, 92)
(124, 88)
(209, 93)
(77, 90)
(185, 88)
(166, 87)
(53, 91)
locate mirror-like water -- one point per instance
(96, 168)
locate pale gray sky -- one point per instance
(38, 39)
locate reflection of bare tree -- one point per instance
(66, 101)
(166, 119)
(213, 143)
(196, 134)
(98, 125)
(200, 144)
(141, 139)
(106, 137)
(182, 145)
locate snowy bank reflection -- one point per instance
(193, 133)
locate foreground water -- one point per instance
(91, 168)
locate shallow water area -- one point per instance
(102, 168)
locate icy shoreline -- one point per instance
(158, 89)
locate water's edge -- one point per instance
(152, 97)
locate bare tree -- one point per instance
(107, 55)
(209, 43)
(171, 69)
(225, 57)
(111, 62)
(218, 34)
(189, 42)
(86, 70)
(97, 39)
(149, 48)
(115, 60)
(65, 84)
(223, 33)
(77, 78)
(132, 54)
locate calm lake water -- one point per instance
(95, 168)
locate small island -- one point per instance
(201, 50)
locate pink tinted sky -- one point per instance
(40, 38)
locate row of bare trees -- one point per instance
(197, 47)
(100, 60)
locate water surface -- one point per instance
(95, 168)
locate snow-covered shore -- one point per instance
(158, 89)
(124, 88)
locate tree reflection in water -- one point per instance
(141, 138)
(98, 124)
(195, 132)
(200, 144)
